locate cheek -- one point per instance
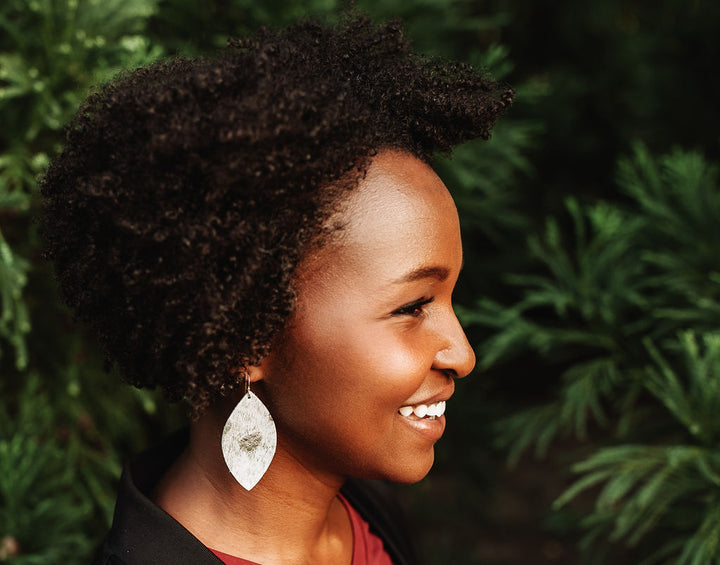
(397, 362)
(328, 362)
(349, 369)
(378, 371)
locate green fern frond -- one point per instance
(693, 398)
(585, 389)
(14, 316)
(536, 426)
(642, 484)
(704, 546)
(38, 487)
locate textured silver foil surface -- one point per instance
(249, 439)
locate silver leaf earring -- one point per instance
(249, 439)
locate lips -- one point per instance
(425, 418)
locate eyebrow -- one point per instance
(439, 273)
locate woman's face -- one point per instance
(374, 331)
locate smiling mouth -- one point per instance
(423, 411)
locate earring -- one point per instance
(249, 439)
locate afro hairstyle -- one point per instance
(188, 191)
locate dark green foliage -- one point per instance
(627, 305)
(44, 505)
(59, 462)
(63, 425)
(615, 71)
(668, 489)
(50, 53)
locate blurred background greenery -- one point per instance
(590, 430)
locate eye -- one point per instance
(414, 308)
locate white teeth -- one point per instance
(430, 411)
(406, 410)
(420, 410)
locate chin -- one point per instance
(410, 472)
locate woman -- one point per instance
(261, 235)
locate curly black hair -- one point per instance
(188, 191)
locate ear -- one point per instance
(258, 372)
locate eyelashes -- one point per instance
(414, 308)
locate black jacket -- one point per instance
(143, 534)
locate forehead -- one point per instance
(397, 190)
(400, 217)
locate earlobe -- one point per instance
(256, 373)
(259, 371)
(262, 370)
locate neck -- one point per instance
(291, 516)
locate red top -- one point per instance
(367, 547)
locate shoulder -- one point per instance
(141, 532)
(105, 556)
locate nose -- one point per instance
(455, 354)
